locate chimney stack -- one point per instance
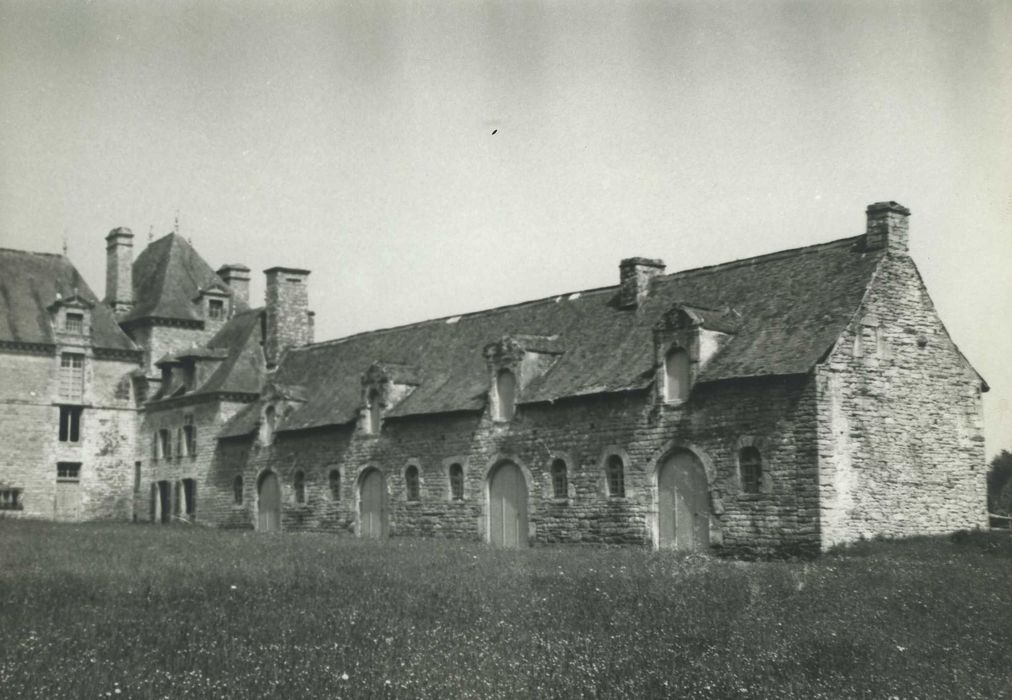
(119, 261)
(888, 227)
(237, 278)
(635, 275)
(288, 322)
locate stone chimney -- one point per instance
(635, 275)
(287, 318)
(237, 278)
(119, 263)
(888, 227)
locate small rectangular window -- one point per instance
(68, 471)
(189, 436)
(216, 309)
(10, 499)
(74, 323)
(70, 423)
(137, 477)
(164, 444)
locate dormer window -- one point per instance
(375, 413)
(676, 376)
(74, 322)
(215, 309)
(506, 391)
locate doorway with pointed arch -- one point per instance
(683, 503)
(269, 503)
(372, 505)
(507, 506)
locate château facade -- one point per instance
(787, 402)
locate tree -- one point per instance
(999, 475)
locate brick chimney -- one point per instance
(237, 278)
(888, 227)
(634, 276)
(287, 318)
(119, 262)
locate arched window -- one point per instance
(456, 482)
(237, 489)
(299, 486)
(676, 375)
(751, 465)
(616, 476)
(334, 481)
(375, 413)
(411, 482)
(270, 418)
(560, 479)
(506, 389)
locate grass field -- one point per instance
(138, 611)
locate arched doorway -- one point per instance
(269, 503)
(372, 505)
(507, 507)
(683, 503)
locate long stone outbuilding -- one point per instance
(784, 403)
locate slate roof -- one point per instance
(167, 276)
(787, 309)
(31, 282)
(243, 369)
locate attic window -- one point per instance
(74, 323)
(506, 391)
(676, 376)
(215, 309)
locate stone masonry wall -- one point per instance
(209, 415)
(776, 415)
(29, 435)
(901, 445)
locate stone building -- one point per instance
(787, 402)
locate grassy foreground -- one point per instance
(148, 612)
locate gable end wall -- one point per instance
(901, 445)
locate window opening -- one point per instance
(299, 485)
(72, 375)
(506, 388)
(676, 373)
(216, 309)
(616, 476)
(68, 471)
(334, 481)
(751, 464)
(560, 480)
(190, 496)
(237, 489)
(456, 482)
(74, 323)
(411, 482)
(10, 499)
(70, 423)
(189, 436)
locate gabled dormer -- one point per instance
(384, 385)
(514, 362)
(213, 303)
(686, 337)
(71, 319)
(277, 403)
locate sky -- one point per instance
(425, 159)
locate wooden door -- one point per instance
(269, 504)
(68, 500)
(372, 505)
(683, 503)
(507, 495)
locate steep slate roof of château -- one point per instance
(242, 371)
(788, 307)
(167, 276)
(30, 283)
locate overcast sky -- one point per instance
(431, 158)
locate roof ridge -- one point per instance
(705, 269)
(31, 252)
